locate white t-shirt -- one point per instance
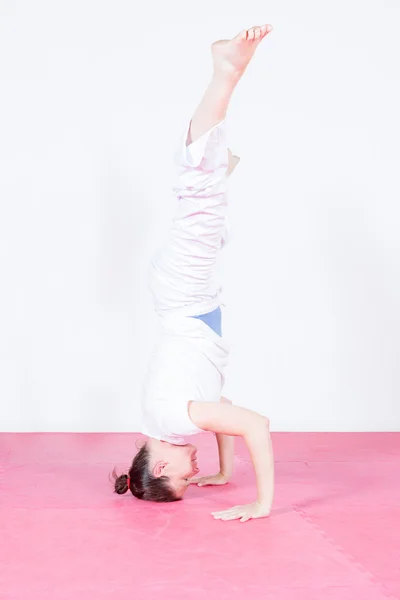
(187, 364)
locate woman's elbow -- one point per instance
(262, 422)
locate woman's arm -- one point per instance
(226, 454)
(223, 418)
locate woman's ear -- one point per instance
(159, 468)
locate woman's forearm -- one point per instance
(226, 454)
(258, 441)
(226, 449)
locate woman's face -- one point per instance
(178, 463)
(182, 466)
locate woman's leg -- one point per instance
(230, 58)
(182, 275)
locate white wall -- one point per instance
(93, 98)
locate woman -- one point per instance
(182, 392)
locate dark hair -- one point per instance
(143, 484)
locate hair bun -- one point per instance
(121, 484)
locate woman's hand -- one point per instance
(244, 513)
(218, 479)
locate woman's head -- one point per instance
(160, 472)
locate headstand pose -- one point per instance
(182, 391)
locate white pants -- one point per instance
(182, 277)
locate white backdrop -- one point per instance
(94, 95)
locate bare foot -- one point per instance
(231, 57)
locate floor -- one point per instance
(334, 533)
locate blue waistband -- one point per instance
(212, 319)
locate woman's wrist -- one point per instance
(265, 502)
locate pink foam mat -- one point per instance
(334, 533)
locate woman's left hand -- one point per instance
(218, 479)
